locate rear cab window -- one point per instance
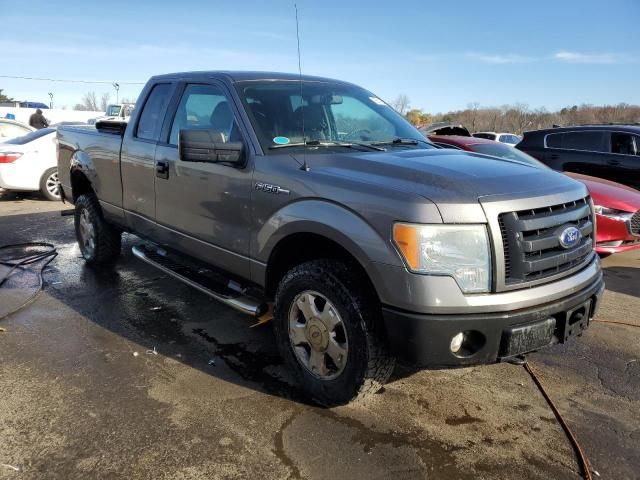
(150, 121)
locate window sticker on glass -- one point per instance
(377, 101)
(280, 140)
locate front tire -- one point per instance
(329, 332)
(49, 186)
(99, 242)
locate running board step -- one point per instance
(229, 293)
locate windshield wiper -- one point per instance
(318, 143)
(401, 141)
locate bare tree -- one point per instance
(401, 104)
(519, 117)
(104, 101)
(90, 101)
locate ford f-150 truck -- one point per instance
(313, 196)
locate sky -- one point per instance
(443, 55)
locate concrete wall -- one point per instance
(53, 115)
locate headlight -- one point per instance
(612, 213)
(458, 251)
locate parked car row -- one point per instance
(28, 163)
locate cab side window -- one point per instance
(151, 118)
(204, 107)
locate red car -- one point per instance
(617, 206)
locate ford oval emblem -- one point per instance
(570, 237)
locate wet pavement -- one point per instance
(125, 373)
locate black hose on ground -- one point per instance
(20, 255)
(582, 457)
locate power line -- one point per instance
(69, 81)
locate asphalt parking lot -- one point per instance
(125, 373)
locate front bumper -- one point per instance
(615, 236)
(424, 339)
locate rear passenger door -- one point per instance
(137, 160)
(202, 208)
(623, 161)
(582, 151)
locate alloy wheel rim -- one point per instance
(52, 185)
(87, 233)
(318, 335)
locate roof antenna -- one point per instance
(305, 166)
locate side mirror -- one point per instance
(209, 146)
(114, 127)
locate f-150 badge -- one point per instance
(268, 188)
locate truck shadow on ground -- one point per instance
(157, 312)
(7, 195)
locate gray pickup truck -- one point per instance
(312, 199)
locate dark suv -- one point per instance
(605, 151)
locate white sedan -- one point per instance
(28, 163)
(508, 138)
(10, 129)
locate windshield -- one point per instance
(504, 151)
(330, 112)
(30, 137)
(113, 110)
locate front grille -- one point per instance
(634, 223)
(531, 241)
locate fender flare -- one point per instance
(330, 220)
(82, 162)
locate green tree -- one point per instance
(4, 98)
(414, 116)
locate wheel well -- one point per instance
(298, 248)
(80, 184)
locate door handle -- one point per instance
(555, 156)
(162, 170)
(613, 162)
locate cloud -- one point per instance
(502, 59)
(597, 58)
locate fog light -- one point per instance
(456, 342)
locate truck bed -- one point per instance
(101, 149)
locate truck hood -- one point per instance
(445, 177)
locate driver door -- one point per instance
(202, 208)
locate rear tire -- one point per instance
(49, 186)
(99, 242)
(329, 332)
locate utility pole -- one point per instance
(117, 87)
(51, 102)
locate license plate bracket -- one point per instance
(525, 338)
(576, 321)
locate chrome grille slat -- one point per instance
(531, 244)
(551, 219)
(634, 223)
(549, 240)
